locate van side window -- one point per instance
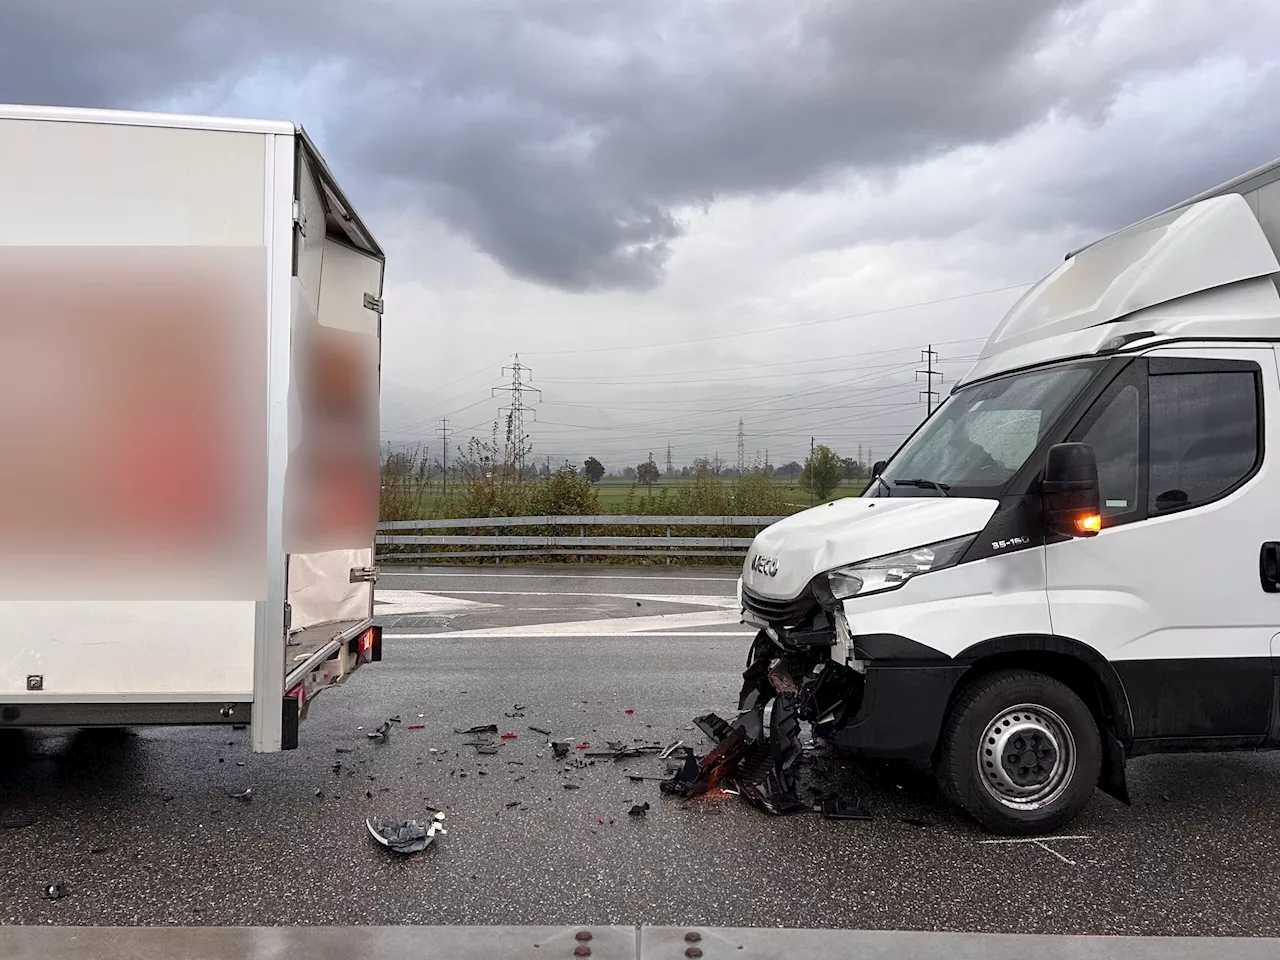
(1203, 436)
(1115, 437)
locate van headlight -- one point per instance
(888, 573)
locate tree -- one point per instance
(593, 469)
(789, 470)
(628, 473)
(822, 472)
(647, 473)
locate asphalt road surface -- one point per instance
(141, 829)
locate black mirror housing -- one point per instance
(877, 468)
(1069, 491)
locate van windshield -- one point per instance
(982, 435)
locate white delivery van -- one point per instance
(190, 320)
(1076, 559)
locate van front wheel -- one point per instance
(1020, 752)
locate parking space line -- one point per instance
(1040, 842)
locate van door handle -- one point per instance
(1269, 566)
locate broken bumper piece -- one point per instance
(405, 836)
(762, 768)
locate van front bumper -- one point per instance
(901, 713)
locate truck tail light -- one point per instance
(298, 692)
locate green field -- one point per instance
(613, 493)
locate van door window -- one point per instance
(1203, 435)
(1115, 436)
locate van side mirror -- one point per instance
(1069, 490)
(877, 468)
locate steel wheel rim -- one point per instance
(1026, 757)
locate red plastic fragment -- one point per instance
(583, 746)
(507, 736)
(628, 710)
(416, 726)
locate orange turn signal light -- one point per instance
(1089, 524)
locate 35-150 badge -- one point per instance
(1011, 542)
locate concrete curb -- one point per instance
(598, 943)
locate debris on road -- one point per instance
(507, 736)
(629, 710)
(573, 786)
(56, 891)
(381, 732)
(762, 766)
(638, 809)
(670, 749)
(622, 751)
(405, 836)
(513, 803)
(481, 728)
(416, 726)
(18, 823)
(545, 731)
(246, 794)
(836, 807)
(486, 748)
(560, 748)
(344, 749)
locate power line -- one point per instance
(787, 326)
(516, 437)
(928, 356)
(444, 432)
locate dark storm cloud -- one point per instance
(562, 136)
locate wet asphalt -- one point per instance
(140, 826)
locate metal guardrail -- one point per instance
(557, 543)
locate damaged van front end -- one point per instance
(818, 586)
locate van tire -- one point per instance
(1012, 799)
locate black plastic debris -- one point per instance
(560, 748)
(836, 807)
(405, 836)
(97, 850)
(344, 749)
(573, 786)
(246, 794)
(486, 748)
(381, 732)
(638, 809)
(56, 891)
(18, 823)
(482, 728)
(513, 803)
(761, 766)
(622, 751)
(545, 731)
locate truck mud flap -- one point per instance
(1113, 780)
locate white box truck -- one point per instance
(1076, 559)
(190, 328)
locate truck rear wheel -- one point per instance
(1020, 752)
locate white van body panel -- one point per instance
(852, 529)
(1208, 245)
(953, 609)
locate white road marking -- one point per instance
(389, 603)
(620, 626)
(489, 635)
(697, 600)
(1041, 843)
(563, 576)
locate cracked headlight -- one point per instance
(888, 573)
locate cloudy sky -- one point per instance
(681, 214)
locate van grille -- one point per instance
(780, 613)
